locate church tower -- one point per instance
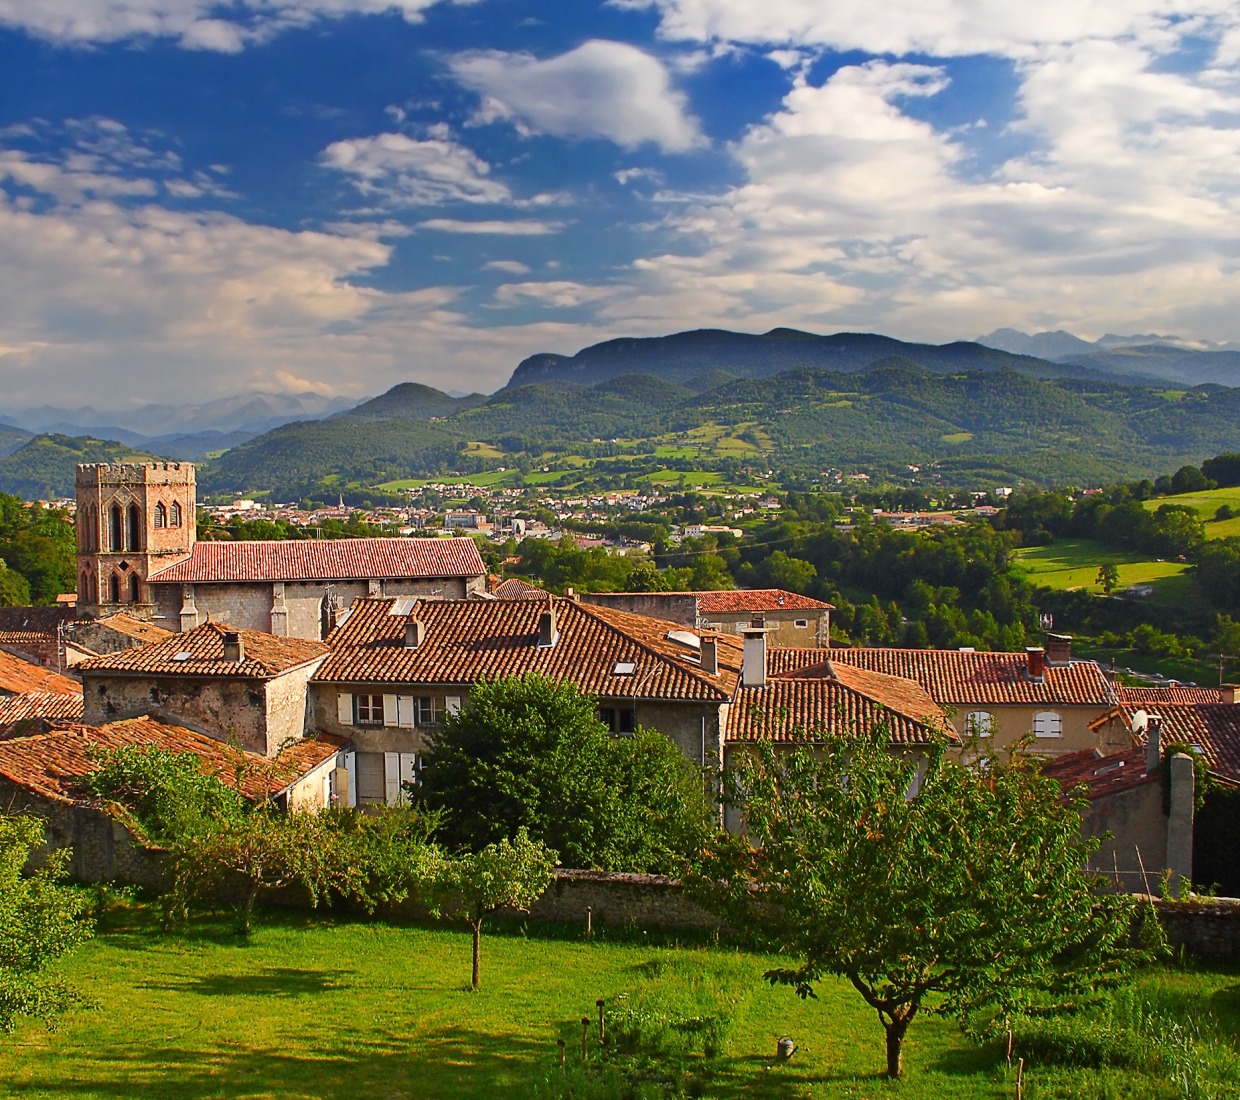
(132, 521)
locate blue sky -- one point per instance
(198, 199)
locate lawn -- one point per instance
(318, 1007)
(1073, 563)
(1205, 505)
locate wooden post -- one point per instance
(563, 1059)
(589, 920)
(1020, 1080)
(601, 1035)
(585, 1032)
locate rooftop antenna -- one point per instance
(1221, 658)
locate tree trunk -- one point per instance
(895, 1047)
(247, 909)
(477, 927)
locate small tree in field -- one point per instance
(1108, 576)
(510, 874)
(40, 921)
(970, 894)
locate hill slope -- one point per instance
(410, 401)
(46, 467)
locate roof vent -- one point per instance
(415, 634)
(234, 647)
(547, 633)
(710, 656)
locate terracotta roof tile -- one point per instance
(756, 599)
(265, 655)
(514, 588)
(38, 704)
(469, 640)
(53, 764)
(1103, 775)
(1214, 727)
(134, 628)
(326, 559)
(39, 620)
(18, 676)
(1144, 696)
(956, 678)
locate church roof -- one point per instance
(325, 560)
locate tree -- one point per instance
(14, 588)
(531, 752)
(1189, 479)
(1108, 576)
(972, 892)
(1223, 470)
(510, 874)
(41, 921)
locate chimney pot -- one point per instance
(710, 656)
(1153, 745)
(1228, 693)
(415, 633)
(1036, 658)
(546, 629)
(234, 647)
(1058, 650)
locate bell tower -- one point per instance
(132, 521)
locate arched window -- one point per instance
(114, 588)
(83, 592)
(980, 723)
(116, 540)
(135, 588)
(1047, 723)
(161, 515)
(94, 588)
(176, 514)
(135, 528)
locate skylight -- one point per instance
(625, 668)
(403, 606)
(685, 638)
(184, 655)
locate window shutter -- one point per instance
(350, 763)
(404, 711)
(389, 710)
(452, 704)
(344, 710)
(391, 774)
(408, 769)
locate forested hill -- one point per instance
(46, 466)
(685, 356)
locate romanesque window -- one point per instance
(135, 528)
(176, 514)
(116, 540)
(114, 588)
(135, 590)
(161, 515)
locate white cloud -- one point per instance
(599, 90)
(556, 295)
(500, 228)
(511, 267)
(405, 172)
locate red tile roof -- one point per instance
(514, 588)
(1103, 775)
(37, 704)
(839, 700)
(1214, 727)
(956, 678)
(326, 559)
(39, 620)
(265, 655)
(1144, 696)
(18, 677)
(134, 628)
(53, 764)
(756, 599)
(471, 640)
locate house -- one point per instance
(35, 633)
(397, 666)
(796, 621)
(221, 682)
(1002, 695)
(43, 775)
(1140, 837)
(36, 711)
(514, 588)
(138, 553)
(111, 634)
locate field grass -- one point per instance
(317, 1007)
(1074, 563)
(1205, 505)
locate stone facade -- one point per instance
(1078, 728)
(794, 628)
(1207, 928)
(132, 521)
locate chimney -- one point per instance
(1036, 657)
(1228, 693)
(234, 647)
(415, 633)
(1058, 650)
(753, 666)
(1153, 745)
(546, 628)
(710, 656)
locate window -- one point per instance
(617, 719)
(116, 534)
(135, 528)
(801, 624)
(114, 588)
(980, 723)
(369, 710)
(1046, 723)
(161, 515)
(135, 589)
(176, 515)
(426, 710)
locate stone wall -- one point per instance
(1207, 929)
(616, 900)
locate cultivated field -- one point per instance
(1073, 563)
(1205, 505)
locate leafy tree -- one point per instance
(1189, 479)
(1223, 470)
(509, 874)
(40, 922)
(14, 588)
(969, 894)
(532, 753)
(791, 573)
(1108, 576)
(38, 545)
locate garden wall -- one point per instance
(646, 901)
(1207, 929)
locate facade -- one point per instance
(1210, 728)
(223, 683)
(794, 620)
(1001, 695)
(36, 633)
(138, 553)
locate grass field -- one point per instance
(334, 1009)
(1206, 504)
(1073, 563)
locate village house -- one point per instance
(36, 633)
(138, 553)
(795, 620)
(221, 682)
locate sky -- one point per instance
(201, 199)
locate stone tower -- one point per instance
(132, 521)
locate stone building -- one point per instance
(138, 553)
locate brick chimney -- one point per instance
(710, 656)
(1228, 693)
(234, 647)
(1153, 744)
(415, 633)
(1058, 650)
(547, 633)
(1035, 669)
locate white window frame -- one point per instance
(373, 708)
(801, 624)
(980, 723)
(425, 705)
(1047, 724)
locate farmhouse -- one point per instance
(138, 553)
